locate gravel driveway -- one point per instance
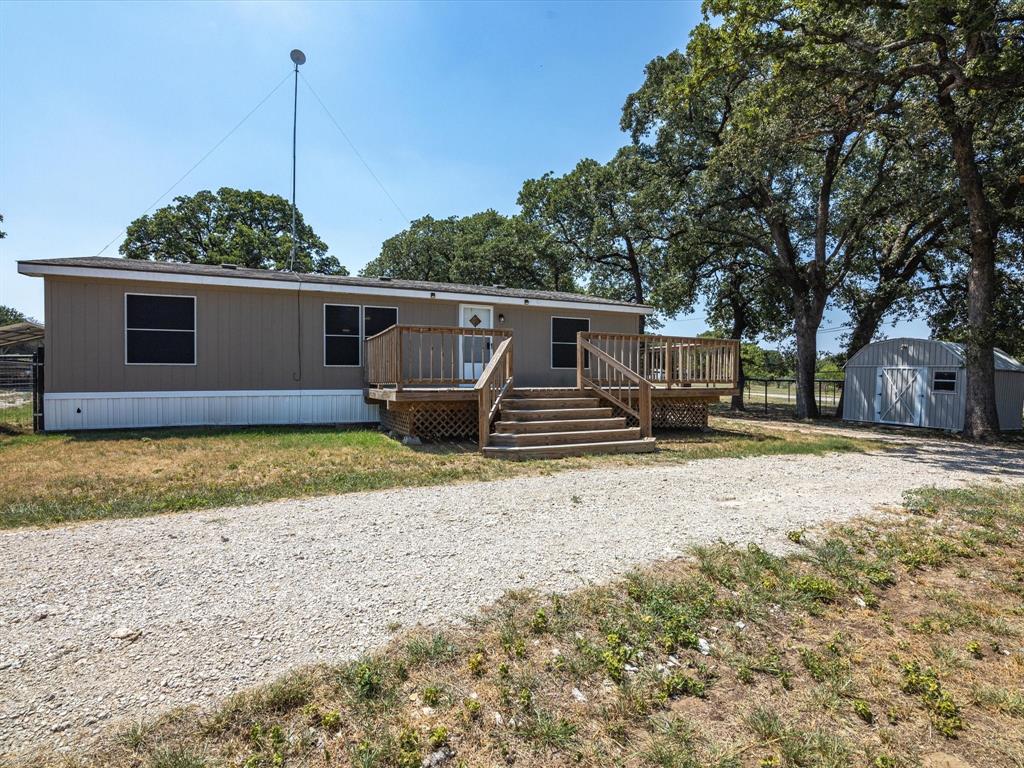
(123, 619)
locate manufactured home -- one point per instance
(922, 383)
(133, 344)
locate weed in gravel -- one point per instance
(133, 736)
(433, 649)
(673, 745)
(175, 757)
(549, 730)
(1000, 699)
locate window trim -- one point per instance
(362, 316)
(955, 381)
(194, 331)
(552, 342)
(358, 336)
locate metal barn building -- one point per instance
(922, 382)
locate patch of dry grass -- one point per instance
(835, 655)
(52, 479)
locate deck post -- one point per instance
(646, 430)
(398, 362)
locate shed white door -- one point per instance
(475, 351)
(899, 395)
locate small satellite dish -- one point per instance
(298, 57)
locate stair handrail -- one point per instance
(614, 386)
(494, 383)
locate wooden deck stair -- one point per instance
(544, 424)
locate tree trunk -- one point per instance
(981, 421)
(739, 327)
(638, 280)
(806, 331)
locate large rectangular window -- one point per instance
(377, 319)
(944, 381)
(159, 330)
(563, 341)
(341, 335)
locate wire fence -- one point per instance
(778, 391)
(16, 373)
(15, 380)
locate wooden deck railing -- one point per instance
(429, 356)
(614, 382)
(495, 382)
(672, 361)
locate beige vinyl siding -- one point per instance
(250, 339)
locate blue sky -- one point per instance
(103, 106)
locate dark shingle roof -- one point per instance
(213, 270)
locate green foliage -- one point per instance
(611, 217)
(944, 712)
(615, 656)
(815, 587)
(476, 664)
(9, 315)
(438, 737)
(434, 694)
(232, 226)
(948, 319)
(863, 710)
(486, 248)
(540, 624)
(681, 684)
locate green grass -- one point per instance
(51, 479)
(616, 675)
(15, 419)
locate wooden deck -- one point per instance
(467, 393)
(446, 382)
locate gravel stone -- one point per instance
(324, 579)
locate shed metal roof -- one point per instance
(1003, 361)
(229, 273)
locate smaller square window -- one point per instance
(944, 381)
(378, 319)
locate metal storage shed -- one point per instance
(921, 383)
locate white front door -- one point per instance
(475, 351)
(899, 394)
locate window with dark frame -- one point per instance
(944, 381)
(563, 341)
(377, 319)
(341, 335)
(159, 330)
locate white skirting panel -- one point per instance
(115, 410)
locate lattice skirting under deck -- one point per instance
(673, 413)
(679, 413)
(431, 421)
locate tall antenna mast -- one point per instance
(298, 57)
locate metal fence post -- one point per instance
(38, 389)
